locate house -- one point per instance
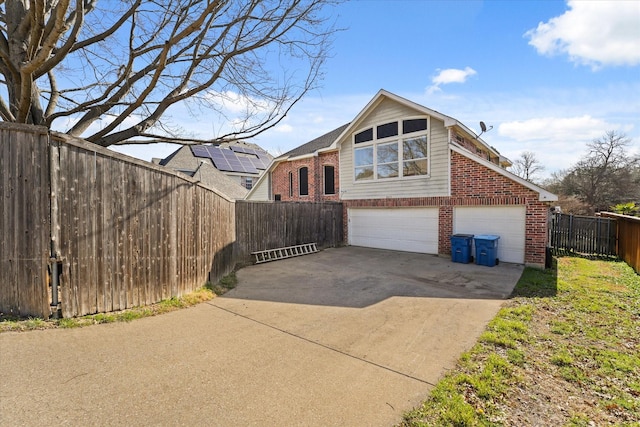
(410, 177)
(308, 173)
(230, 168)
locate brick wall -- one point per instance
(315, 165)
(473, 184)
(478, 185)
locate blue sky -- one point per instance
(549, 76)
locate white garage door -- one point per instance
(508, 222)
(400, 229)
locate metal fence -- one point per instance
(585, 235)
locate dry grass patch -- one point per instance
(203, 294)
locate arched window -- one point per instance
(329, 180)
(303, 181)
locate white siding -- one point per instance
(508, 222)
(261, 190)
(401, 229)
(434, 185)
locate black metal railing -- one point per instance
(585, 235)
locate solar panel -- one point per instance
(228, 154)
(258, 163)
(227, 160)
(248, 165)
(199, 150)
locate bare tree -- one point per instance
(527, 166)
(606, 175)
(110, 71)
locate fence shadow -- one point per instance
(535, 283)
(570, 253)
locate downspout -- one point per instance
(54, 260)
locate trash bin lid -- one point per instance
(486, 237)
(463, 236)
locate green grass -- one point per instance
(577, 327)
(203, 294)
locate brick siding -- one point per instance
(473, 184)
(315, 165)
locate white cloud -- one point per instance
(558, 142)
(235, 103)
(450, 75)
(555, 129)
(283, 128)
(595, 33)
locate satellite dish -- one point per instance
(484, 129)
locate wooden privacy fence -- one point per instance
(24, 220)
(583, 234)
(115, 233)
(112, 231)
(628, 238)
(269, 225)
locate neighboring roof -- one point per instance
(167, 159)
(205, 172)
(320, 142)
(209, 176)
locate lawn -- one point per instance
(564, 351)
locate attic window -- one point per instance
(398, 150)
(364, 136)
(387, 130)
(414, 125)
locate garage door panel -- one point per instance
(508, 222)
(404, 229)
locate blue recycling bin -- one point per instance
(461, 248)
(486, 249)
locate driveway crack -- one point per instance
(336, 350)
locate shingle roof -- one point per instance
(212, 177)
(320, 142)
(167, 159)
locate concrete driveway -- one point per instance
(348, 336)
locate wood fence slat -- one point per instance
(130, 233)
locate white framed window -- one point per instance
(393, 150)
(415, 156)
(363, 161)
(247, 182)
(387, 160)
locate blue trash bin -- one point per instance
(486, 249)
(461, 248)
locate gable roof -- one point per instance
(382, 94)
(319, 143)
